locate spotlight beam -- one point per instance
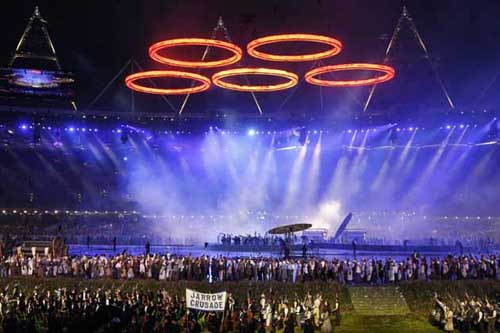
(294, 178)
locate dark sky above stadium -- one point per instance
(94, 39)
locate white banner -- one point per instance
(205, 302)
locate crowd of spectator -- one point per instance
(253, 240)
(114, 310)
(466, 315)
(220, 268)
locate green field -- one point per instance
(412, 323)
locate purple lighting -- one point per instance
(35, 79)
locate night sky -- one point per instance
(94, 39)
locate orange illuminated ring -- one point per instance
(389, 73)
(157, 47)
(334, 43)
(130, 82)
(217, 79)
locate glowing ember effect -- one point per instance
(292, 78)
(131, 79)
(157, 47)
(389, 73)
(336, 47)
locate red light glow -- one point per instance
(388, 74)
(292, 79)
(130, 82)
(154, 52)
(336, 47)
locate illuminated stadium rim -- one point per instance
(292, 79)
(253, 45)
(130, 82)
(157, 47)
(388, 71)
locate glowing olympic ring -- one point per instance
(157, 47)
(253, 45)
(130, 82)
(389, 73)
(217, 79)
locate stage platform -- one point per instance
(240, 251)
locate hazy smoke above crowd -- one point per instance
(249, 185)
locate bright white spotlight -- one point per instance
(251, 132)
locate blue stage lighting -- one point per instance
(23, 126)
(448, 127)
(71, 129)
(251, 132)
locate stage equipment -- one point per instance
(343, 226)
(292, 79)
(336, 47)
(389, 73)
(289, 230)
(157, 47)
(130, 81)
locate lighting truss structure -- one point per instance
(406, 18)
(220, 26)
(34, 69)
